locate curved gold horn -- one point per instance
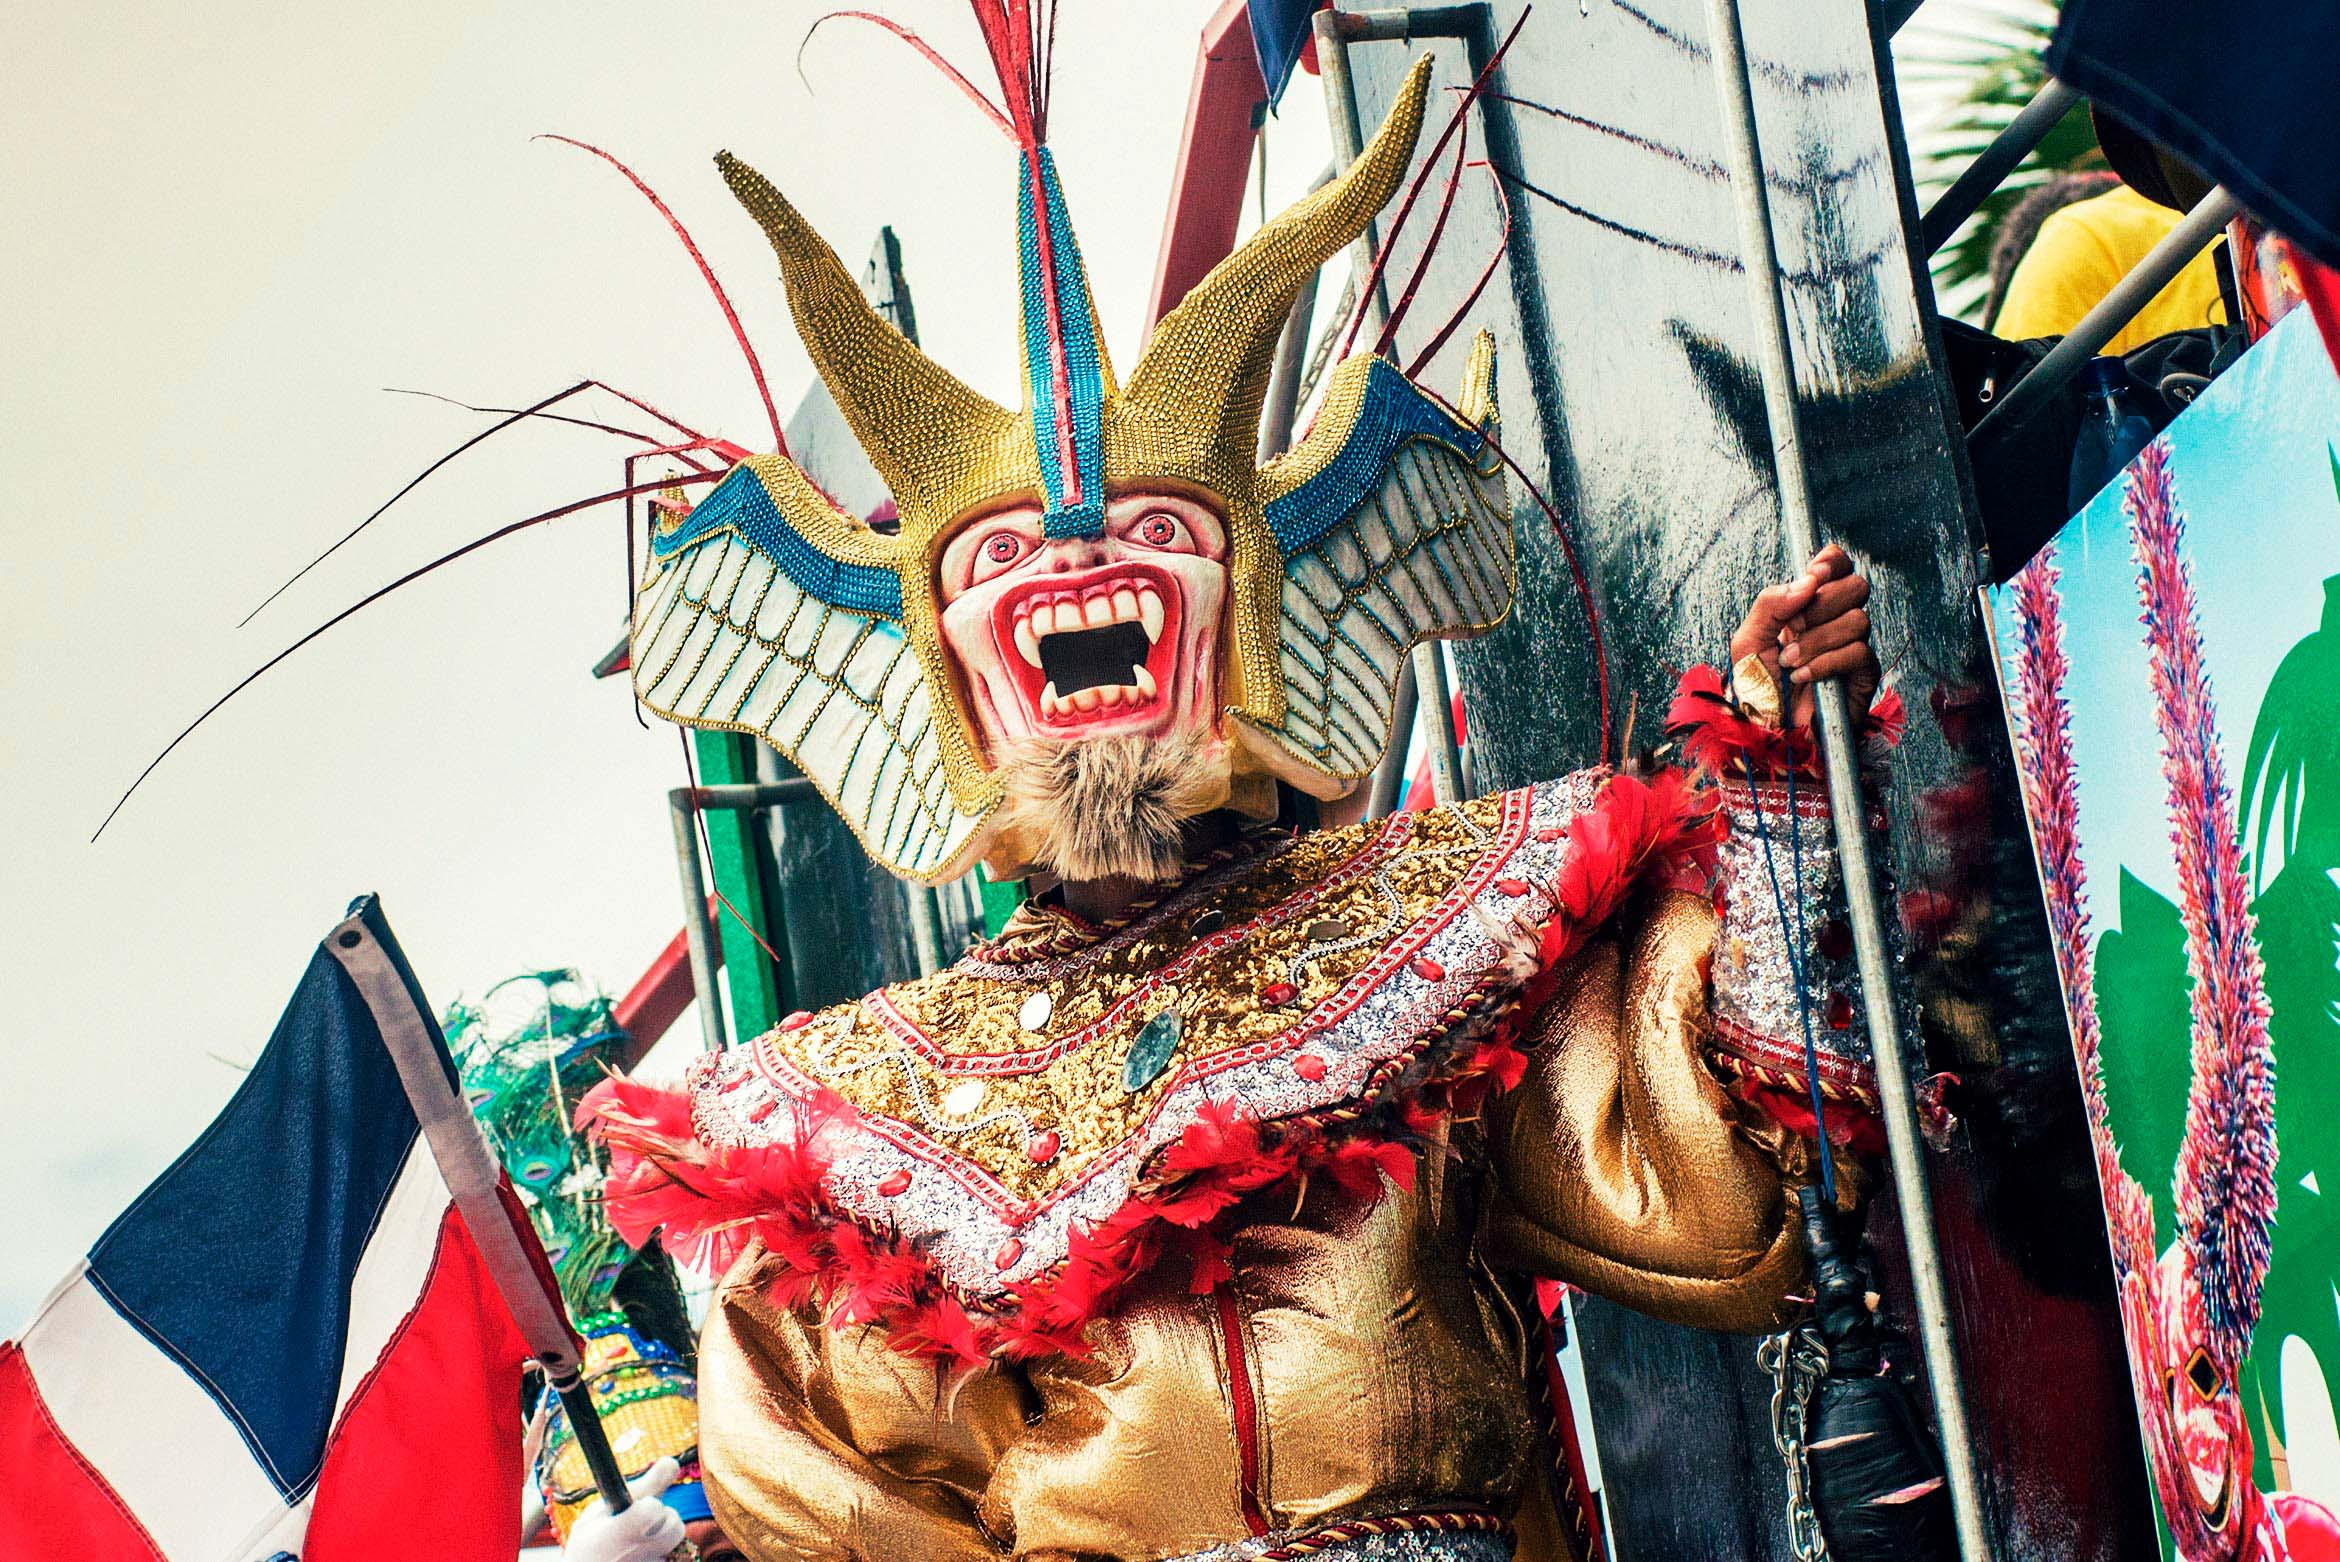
(916, 420)
(1216, 347)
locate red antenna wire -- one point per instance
(1414, 189)
(707, 272)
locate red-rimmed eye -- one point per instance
(1159, 530)
(1005, 548)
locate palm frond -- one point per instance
(1964, 74)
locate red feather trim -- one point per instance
(1717, 735)
(712, 1202)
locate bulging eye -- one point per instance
(1159, 529)
(998, 553)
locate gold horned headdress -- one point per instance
(767, 610)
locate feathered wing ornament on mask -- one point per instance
(766, 610)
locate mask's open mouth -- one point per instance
(1087, 649)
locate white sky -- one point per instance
(229, 227)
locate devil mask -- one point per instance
(1106, 582)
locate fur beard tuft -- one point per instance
(1109, 807)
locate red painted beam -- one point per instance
(1214, 158)
(659, 996)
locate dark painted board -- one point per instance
(1625, 342)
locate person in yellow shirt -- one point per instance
(2086, 247)
(2082, 251)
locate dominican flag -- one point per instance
(292, 1346)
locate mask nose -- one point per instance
(1065, 555)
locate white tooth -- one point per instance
(1150, 613)
(1113, 694)
(1086, 699)
(1068, 615)
(1145, 684)
(1097, 612)
(1050, 700)
(1125, 605)
(1027, 643)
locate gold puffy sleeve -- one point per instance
(828, 1447)
(1619, 1164)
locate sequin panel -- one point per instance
(1404, 1546)
(1463, 876)
(1781, 893)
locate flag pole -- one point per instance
(369, 953)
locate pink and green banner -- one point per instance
(2171, 666)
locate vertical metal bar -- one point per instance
(1348, 136)
(1434, 709)
(698, 931)
(1904, 1148)
(925, 927)
(1993, 163)
(1389, 773)
(1282, 407)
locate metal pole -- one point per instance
(2011, 146)
(925, 928)
(1429, 21)
(1434, 709)
(1283, 391)
(1903, 1144)
(1340, 103)
(1282, 408)
(698, 928)
(751, 794)
(2101, 324)
(1389, 772)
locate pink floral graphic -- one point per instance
(2189, 1313)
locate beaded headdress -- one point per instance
(768, 610)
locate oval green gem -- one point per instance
(1150, 1053)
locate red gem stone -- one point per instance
(1513, 887)
(1835, 939)
(797, 1021)
(1041, 1148)
(1277, 994)
(1009, 1252)
(1550, 833)
(895, 1186)
(1840, 1013)
(1309, 1067)
(1427, 969)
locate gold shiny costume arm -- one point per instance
(826, 1446)
(1619, 1164)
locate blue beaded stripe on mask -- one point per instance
(1083, 361)
(742, 504)
(1393, 412)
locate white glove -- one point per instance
(645, 1532)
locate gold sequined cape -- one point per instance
(1327, 1356)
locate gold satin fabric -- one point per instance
(1383, 1349)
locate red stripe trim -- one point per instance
(1245, 1408)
